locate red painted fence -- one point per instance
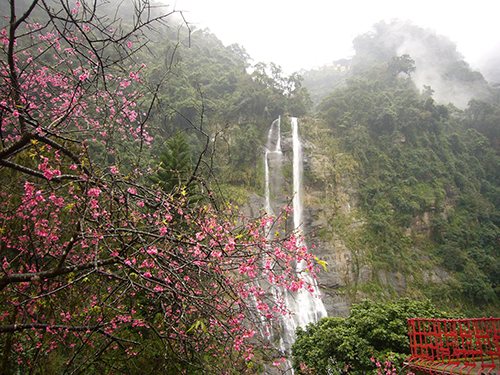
(455, 346)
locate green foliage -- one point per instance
(221, 104)
(175, 168)
(402, 64)
(428, 174)
(235, 194)
(372, 330)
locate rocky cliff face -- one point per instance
(340, 272)
(332, 225)
(332, 214)
(324, 199)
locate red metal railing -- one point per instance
(455, 346)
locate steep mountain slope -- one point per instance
(401, 186)
(411, 206)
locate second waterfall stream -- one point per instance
(306, 305)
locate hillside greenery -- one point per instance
(221, 103)
(420, 162)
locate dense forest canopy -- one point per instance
(417, 157)
(414, 133)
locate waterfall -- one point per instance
(310, 308)
(273, 152)
(306, 307)
(297, 175)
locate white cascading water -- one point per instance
(273, 148)
(306, 307)
(309, 307)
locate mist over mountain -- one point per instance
(489, 65)
(440, 67)
(414, 152)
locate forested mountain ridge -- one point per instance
(439, 65)
(214, 88)
(415, 207)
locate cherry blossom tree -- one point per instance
(101, 273)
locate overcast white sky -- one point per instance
(304, 34)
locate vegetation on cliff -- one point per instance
(426, 179)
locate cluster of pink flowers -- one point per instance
(386, 367)
(98, 256)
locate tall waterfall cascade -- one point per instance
(310, 308)
(273, 156)
(306, 306)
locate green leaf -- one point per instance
(197, 324)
